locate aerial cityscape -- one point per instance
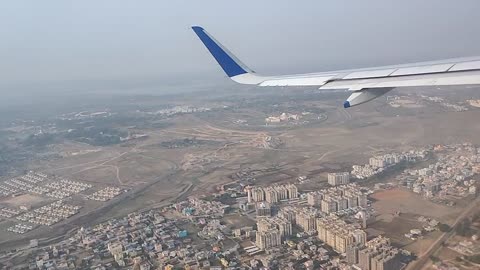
(246, 135)
(210, 184)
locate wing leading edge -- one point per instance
(367, 84)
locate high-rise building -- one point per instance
(352, 254)
(331, 236)
(360, 237)
(271, 195)
(306, 220)
(289, 213)
(268, 239)
(376, 162)
(284, 226)
(387, 260)
(388, 159)
(322, 232)
(263, 209)
(364, 257)
(338, 198)
(258, 194)
(341, 203)
(352, 201)
(338, 234)
(323, 225)
(292, 191)
(362, 215)
(336, 179)
(329, 206)
(379, 255)
(282, 192)
(248, 189)
(362, 200)
(279, 223)
(378, 242)
(264, 225)
(315, 198)
(343, 239)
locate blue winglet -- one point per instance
(223, 57)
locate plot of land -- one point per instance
(238, 221)
(24, 199)
(404, 201)
(410, 206)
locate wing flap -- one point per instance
(422, 70)
(466, 66)
(301, 81)
(435, 79)
(369, 74)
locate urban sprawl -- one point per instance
(276, 226)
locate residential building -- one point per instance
(268, 239)
(336, 179)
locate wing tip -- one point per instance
(197, 28)
(229, 63)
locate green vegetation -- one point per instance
(96, 136)
(444, 227)
(226, 199)
(39, 140)
(476, 217)
(474, 258)
(463, 229)
(10, 155)
(187, 142)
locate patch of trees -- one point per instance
(444, 227)
(463, 228)
(11, 156)
(187, 142)
(39, 140)
(474, 258)
(101, 122)
(96, 136)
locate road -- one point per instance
(425, 257)
(326, 154)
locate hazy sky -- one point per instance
(43, 41)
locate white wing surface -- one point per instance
(367, 84)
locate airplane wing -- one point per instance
(366, 84)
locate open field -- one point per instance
(407, 202)
(28, 200)
(411, 206)
(237, 221)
